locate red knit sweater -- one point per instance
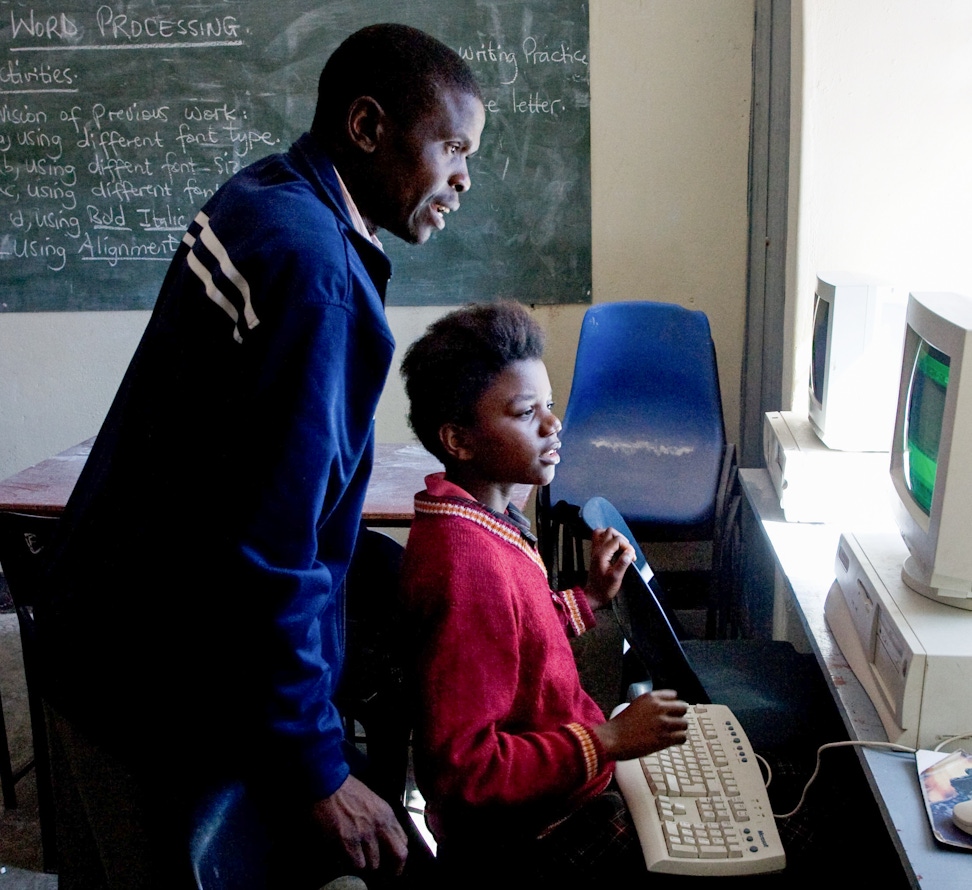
(503, 741)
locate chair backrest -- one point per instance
(23, 538)
(228, 845)
(228, 842)
(643, 619)
(644, 425)
(23, 542)
(373, 687)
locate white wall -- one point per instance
(58, 373)
(881, 151)
(670, 94)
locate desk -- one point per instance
(804, 559)
(399, 472)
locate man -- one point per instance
(194, 624)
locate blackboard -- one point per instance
(118, 119)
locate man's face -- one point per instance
(422, 168)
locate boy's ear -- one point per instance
(455, 441)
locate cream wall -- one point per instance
(670, 95)
(881, 152)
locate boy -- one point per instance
(514, 759)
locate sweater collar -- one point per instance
(438, 486)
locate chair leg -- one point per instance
(733, 571)
(721, 598)
(579, 561)
(569, 564)
(541, 504)
(722, 618)
(553, 539)
(45, 786)
(7, 781)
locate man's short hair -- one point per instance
(401, 67)
(447, 370)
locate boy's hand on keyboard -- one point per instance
(650, 723)
(611, 554)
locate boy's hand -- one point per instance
(611, 554)
(651, 722)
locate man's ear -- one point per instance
(366, 120)
(455, 441)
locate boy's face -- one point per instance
(515, 436)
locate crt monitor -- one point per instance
(931, 451)
(858, 324)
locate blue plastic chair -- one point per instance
(228, 841)
(644, 428)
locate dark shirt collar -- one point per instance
(515, 515)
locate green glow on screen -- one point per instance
(923, 424)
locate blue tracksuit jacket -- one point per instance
(195, 605)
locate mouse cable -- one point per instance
(767, 767)
(950, 739)
(893, 746)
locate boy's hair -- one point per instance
(454, 362)
(400, 67)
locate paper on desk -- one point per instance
(945, 780)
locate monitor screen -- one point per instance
(923, 423)
(818, 347)
(931, 452)
(858, 324)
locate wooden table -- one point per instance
(399, 472)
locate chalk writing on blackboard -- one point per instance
(118, 121)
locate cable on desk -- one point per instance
(767, 767)
(890, 745)
(950, 739)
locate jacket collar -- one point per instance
(310, 156)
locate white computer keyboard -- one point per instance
(701, 808)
